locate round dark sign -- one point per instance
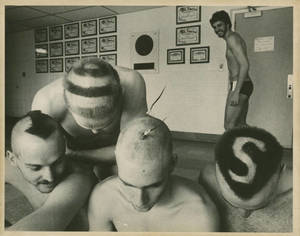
(144, 45)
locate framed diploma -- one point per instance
(56, 49)
(188, 35)
(69, 62)
(41, 66)
(176, 56)
(88, 28)
(188, 14)
(107, 44)
(89, 45)
(199, 55)
(56, 33)
(72, 47)
(56, 65)
(89, 56)
(71, 31)
(41, 35)
(41, 50)
(110, 58)
(108, 25)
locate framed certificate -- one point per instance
(69, 62)
(41, 35)
(199, 55)
(108, 25)
(176, 56)
(110, 58)
(41, 50)
(107, 44)
(41, 66)
(188, 35)
(71, 30)
(188, 14)
(72, 47)
(56, 33)
(88, 28)
(89, 45)
(90, 56)
(56, 49)
(56, 65)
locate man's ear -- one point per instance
(11, 157)
(173, 162)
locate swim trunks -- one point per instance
(246, 89)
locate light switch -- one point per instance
(290, 87)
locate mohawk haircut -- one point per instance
(267, 161)
(221, 16)
(42, 125)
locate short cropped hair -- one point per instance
(266, 158)
(221, 16)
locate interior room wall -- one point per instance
(195, 94)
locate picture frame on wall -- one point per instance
(72, 47)
(56, 49)
(56, 33)
(71, 31)
(108, 25)
(188, 35)
(176, 56)
(56, 65)
(69, 62)
(89, 45)
(41, 35)
(90, 56)
(88, 28)
(41, 66)
(188, 14)
(41, 50)
(199, 55)
(110, 58)
(108, 43)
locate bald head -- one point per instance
(145, 148)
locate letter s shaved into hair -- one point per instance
(237, 147)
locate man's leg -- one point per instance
(243, 117)
(235, 114)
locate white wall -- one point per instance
(194, 99)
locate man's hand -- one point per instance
(234, 98)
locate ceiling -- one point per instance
(21, 18)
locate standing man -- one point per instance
(56, 187)
(240, 86)
(92, 103)
(145, 196)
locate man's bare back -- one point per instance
(184, 206)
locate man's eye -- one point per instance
(34, 168)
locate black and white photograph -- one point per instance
(150, 118)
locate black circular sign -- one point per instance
(144, 45)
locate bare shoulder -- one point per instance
(235, 38)
(106, 189)
(128, 77)
(207, 173)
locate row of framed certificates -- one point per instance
(197, 55)
(58, 65)
(70, 31)
(72, 47)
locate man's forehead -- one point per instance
(217, 23)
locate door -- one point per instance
(270, 108)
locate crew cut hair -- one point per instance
(267, 161)
(221, 16)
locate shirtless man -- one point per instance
(92, 103)
(56, 188)
(249, 182)
(240, 86)
(144, 196)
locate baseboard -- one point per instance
(198, 137)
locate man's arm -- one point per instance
(60, 207)
(235, 44)
(99, 209)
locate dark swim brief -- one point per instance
(246, 89)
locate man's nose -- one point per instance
(47, 174)
(141, 197)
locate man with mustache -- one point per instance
(240, 86)
(37, 166)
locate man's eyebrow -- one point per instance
(147, 186)
(28, 164)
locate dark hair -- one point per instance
(221, 16)
(42, 125)
(267, 161)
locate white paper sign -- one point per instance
(264, 44)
